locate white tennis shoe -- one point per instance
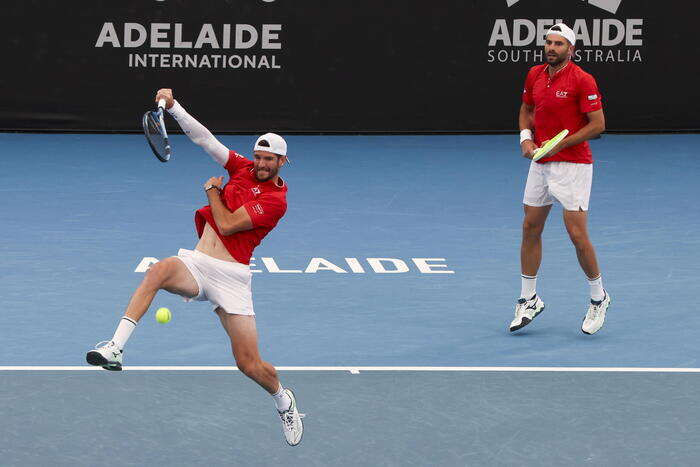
(107, 355)
(525, 312)
(595, 317)
(292, 425)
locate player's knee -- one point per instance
(578, 238)
(532, 229)
(157, 275)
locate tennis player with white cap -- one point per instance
(238, 216)
(559, 95)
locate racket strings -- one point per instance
(156, 137)
(156, 134)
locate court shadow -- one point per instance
(525, 332)
(590, 337)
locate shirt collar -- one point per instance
(560, 71)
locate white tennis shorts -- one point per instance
(567, 182)
(223, 283)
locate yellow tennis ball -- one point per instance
(163, 315)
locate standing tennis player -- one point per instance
(238, 216)
(559, 95)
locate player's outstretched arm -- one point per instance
(197, 132)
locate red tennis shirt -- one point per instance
(265, 202)
(562, 102)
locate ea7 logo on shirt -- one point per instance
(563, 94)
(258, 209)
(593, 97)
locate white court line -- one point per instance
(358, 369)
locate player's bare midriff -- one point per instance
(211, 245)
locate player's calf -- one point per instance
(253, 369)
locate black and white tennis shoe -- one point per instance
(107, 355)
(595, 317)
(292, 425)
(525, 312)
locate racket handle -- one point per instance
(161, 104)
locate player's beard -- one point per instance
(556, 59)
(265, 175)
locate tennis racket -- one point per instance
(549, 145)
(154, 130)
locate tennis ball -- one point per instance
(163, 315)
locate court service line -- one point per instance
(358, 369)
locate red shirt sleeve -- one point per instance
(528, 98)
(235, 161)
(266, 210)
(589, 96)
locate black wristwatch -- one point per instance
(209, 187)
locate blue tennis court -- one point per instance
(396, 251)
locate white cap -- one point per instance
(565, 31)
(271, 142)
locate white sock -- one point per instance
(597, 292)
(282, 399)
(528, 286)
(123, 332)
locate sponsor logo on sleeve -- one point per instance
(593, 97)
